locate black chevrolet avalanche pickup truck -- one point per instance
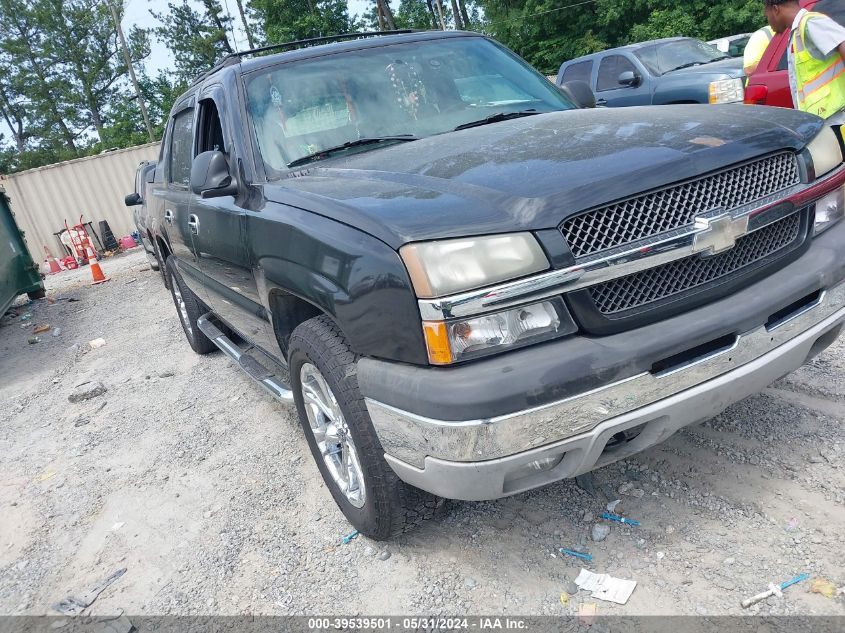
(469, 284)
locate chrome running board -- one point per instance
(246, 360)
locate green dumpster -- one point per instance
(18, 272)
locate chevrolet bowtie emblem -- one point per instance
(719, 233)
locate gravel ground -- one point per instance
(189, 476)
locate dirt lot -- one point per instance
(200, 485)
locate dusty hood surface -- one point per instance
(531, 173)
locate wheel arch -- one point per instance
(288, 311)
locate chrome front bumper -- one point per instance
(490, 458)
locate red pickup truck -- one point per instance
(769, 84)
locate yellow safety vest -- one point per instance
(820, 82)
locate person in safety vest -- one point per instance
(816, 58)
(755, 48)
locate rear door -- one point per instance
(611, 93)
(177, 197)
(578, 71)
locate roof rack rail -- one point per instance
(235, 58)
(230, 60)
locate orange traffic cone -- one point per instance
(96, 271)
(52, 263)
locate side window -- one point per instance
(580, 72)
(783, 64)
(609, 70)
(210, 131)
(181, 147)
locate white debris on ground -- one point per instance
(189, 476)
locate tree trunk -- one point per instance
(456, 16)
(96, 119)
(464, 15)
(380, 16)
(390, 23)
(247, 28)
(432, 13)
(439, 6)
(13, 119)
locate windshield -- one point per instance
(668, 56)
(418, 89)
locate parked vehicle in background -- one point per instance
(18, 271)
(659, 72)
(769, 84)
(733, 45)
(137, 200)
(471, 287)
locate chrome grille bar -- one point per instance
(677, 206)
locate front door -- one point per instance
(219, 237)
(611, 93)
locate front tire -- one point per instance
(342, 439)
(188, 308)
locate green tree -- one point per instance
(31, 81)
(63, 85)
(416, 14)
(549, 32)
(288, 20)
(83, 44)
(126, 127)
(197, 38)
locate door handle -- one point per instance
(168, 216)
(601, 102)
(194, 223)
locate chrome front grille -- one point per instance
(677, 277)
(677, 206)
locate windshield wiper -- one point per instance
(495, 118)
(356, 143)
(687, 65)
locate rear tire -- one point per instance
(375, 501)
(188, 308)
(162, 265)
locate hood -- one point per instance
(532, 173)
(732, 67)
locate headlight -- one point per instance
(825, 151)
(452, 341)
(727, 91)
(450, 266)
(829, 210)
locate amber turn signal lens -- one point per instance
(437, 343)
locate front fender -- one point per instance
(357, 280)
(686, 88)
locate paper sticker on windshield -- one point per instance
(276, 96)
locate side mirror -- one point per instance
(133, 199)
(210, 177)
(629, 78)
(580, 93)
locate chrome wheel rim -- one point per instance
(331, 433)
(181, 308)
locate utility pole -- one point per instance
(128, 58)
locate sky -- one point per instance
(137, 13)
